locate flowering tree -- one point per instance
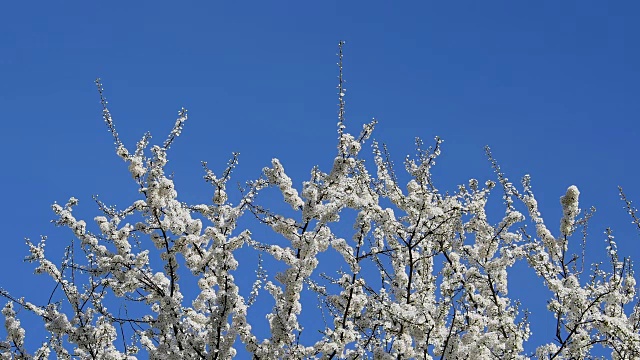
(419, 274)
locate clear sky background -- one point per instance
(552, 87)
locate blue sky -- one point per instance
(552, 87)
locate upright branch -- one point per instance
(177, 129)
(632, 211)
(106, 115)
(341, 95)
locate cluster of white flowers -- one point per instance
(419, 274)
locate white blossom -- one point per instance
(416, 272)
